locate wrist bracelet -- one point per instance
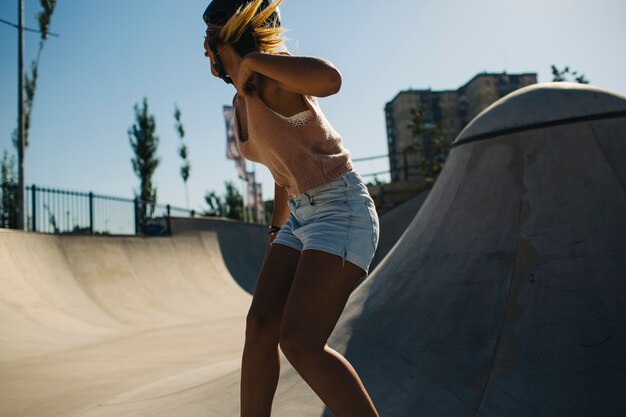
(274, 229)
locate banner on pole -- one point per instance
(232, 150)
(251, 190)
(240, 166)
(260, 206)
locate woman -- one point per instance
(324, 225)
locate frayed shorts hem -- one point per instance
(338, 218)
(355, 260)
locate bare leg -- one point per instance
(318, 295)
(260, 364)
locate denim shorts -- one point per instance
(338, 217)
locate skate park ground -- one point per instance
(503, 295)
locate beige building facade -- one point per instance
(449, 110)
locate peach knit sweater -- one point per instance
(299, 158)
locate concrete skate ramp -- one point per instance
(242, 245)
(507, 294)
(394, 223)
(84, 321)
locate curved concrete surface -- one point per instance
(394, 224)
(84, 321)
(242, 245)
(505, 296)
(544, 105)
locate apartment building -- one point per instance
(450, 110)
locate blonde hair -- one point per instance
(267, 34)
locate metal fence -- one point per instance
(51, 210)
(407, 165)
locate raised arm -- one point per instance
(280, 212)
(281, 207)
(297, 74)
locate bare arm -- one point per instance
(297, 74)
(281, 208)
(281, 211)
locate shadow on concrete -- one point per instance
(242, 245)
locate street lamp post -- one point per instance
(21, 205)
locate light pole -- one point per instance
(21, 204)
(21, 128)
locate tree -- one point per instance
(269, 210)
(215, 203)
(30, 81)
(51, 218)
(144, 142)
(231, 205)
(8, 192)
(562, 75)
(185, 169)
(428, 142)
(234, 202)
(27, 85)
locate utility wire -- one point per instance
(27, 29)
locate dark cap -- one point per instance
(219, 11)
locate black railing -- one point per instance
(407, 160)
(51, 210)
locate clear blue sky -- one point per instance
(111, 54)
